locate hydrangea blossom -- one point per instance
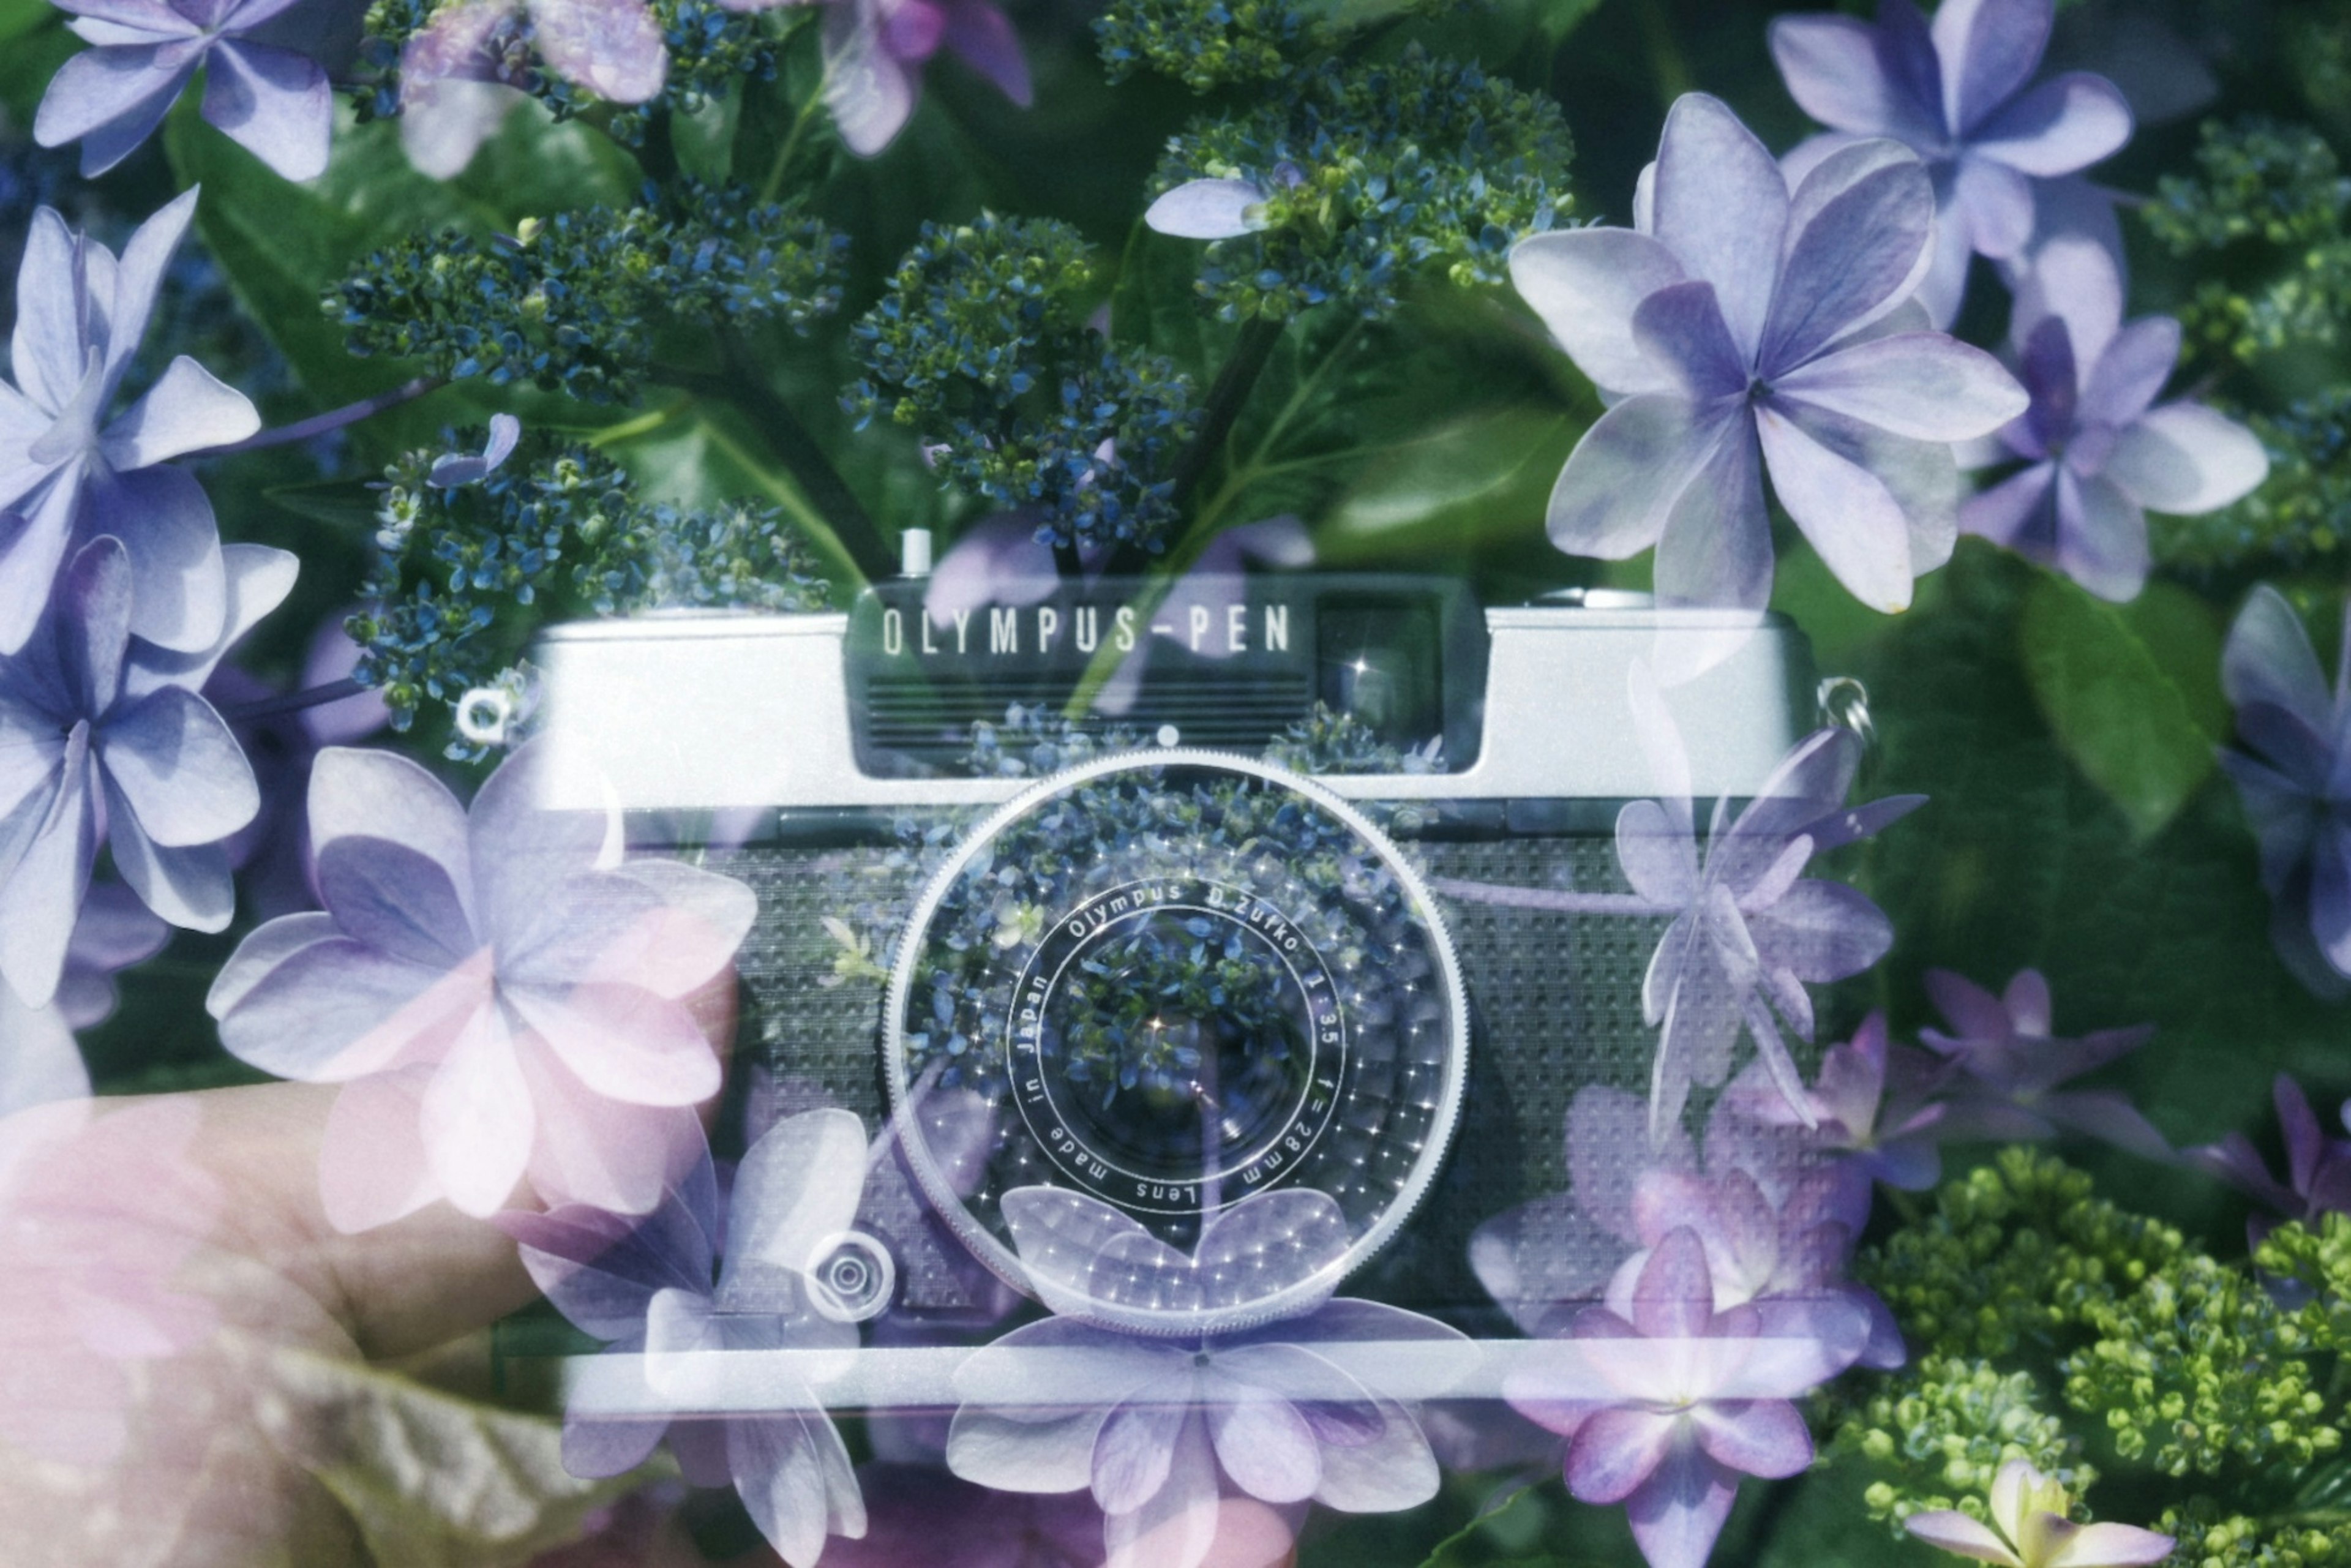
(646, 1286)
(2010, 1063)
(274, 101)
(874, 51)
(2296, 782)
(38, 1060)
(452, 469)
(64, 469)
(107, 736)
(2099, 451)
(2029, 1529)
(1749, 930)
(458, 72)
(1739, 330)
(1686, 1400)
(1151, 1423)
(1218, 209)
(2318, 1169)
(1871, 1103)
(1956, 92)
(500, 995)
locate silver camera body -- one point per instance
(825, 758)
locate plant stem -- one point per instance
(1225, 400)
(293, 702)
(333, 419)
(745, 385)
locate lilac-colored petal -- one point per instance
(1395, 1470)
(1923, 385)
(1660, 740)
(2078, 281)
(1989, 50)
(1261, 1440)
(996, 560)
(372, 1168)
(689, 942)
(596, 1448)
(2108, 1117)
(177, 564)
(612, 48)
(1766, 1437)
(40, 1063)
(2330, 894)
(32, 545)
(398, 901)
(1608, 1148)
(624, 1043)
(46, 353)
(256, 579)
(2102, 540)
(1207, 209)
(384, 795)
(1678, 1514)
(2186, 459)
(2107, 1545)
(1585, 284)
(2304, 1140)
(797, 1188)
(1625, 477)
(180, 770)
(1614, 1452)
(2129, 376)
(1657, 854)
(477, 1117)
(1715, 547)
(2020, 507)
(870, 91)
(139, 279)
(1847, 513)
(1990, 204)
(444, 122)
(1856, 239)
(2267, 658)
(2061, 126)
(1833, 69)
(1674, 1296)
(1955, 1532)
(189, 885)
(1721, 209)
(336, 1009)
(1679, 329)
(41, 891)
(2234, 1160)
(1178, 1524)
(595, 1151)
(1823, 930)
(111, 99)
(1973, 1012)
(276, 104)
(985, 39)
(187, 410)
(1054, 1454)
(263, 949)
(794, 1476)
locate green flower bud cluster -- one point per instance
(2277, 192)
(1376, 175)
(453, 566)
(1934, 1436)
(2318, 1264)
(2199, 1366)
(2013, 1249)
(574, 304)
(710, 47)
(1207, 44)
(2210, 1537)
(980, 345)
(2299, 515)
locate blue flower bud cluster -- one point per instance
(453, 564)
(1376, 175)
(980, 345)
(1207, 44)
(574, 304)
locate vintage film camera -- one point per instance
(1179, 973)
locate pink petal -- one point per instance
(372, 1168)
(477, 1122)
(1954, 1531)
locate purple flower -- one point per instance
(2029, 1510)
(39, 1061)
(1667, 1403)
(1216, 209)
(874, 51)
(2010, 1063)
(455, 72)
(2097, 450)
(1870, 1103)
(1955, 92)
(917, 1516)
(273, 101)
(501, 996)
(452, 469)
(2318, 1169)
(645, 1285)
(65, 470)
(2296, 785)
(1737, 329)
(107, 735)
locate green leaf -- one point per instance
(1466, 482)
(2116, 703)
(432, 1480)
(1156, 307)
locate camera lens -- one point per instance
(1179, 982)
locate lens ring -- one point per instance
(851, 1277)
(1176, 979)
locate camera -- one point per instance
(1110, 978)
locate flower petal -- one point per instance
(1989, 50)
(179, 768)
(2063, 125)
(1992, 205)
(111, 98)
(1822, 931)
(2102, 540)
(983, 36)
(40, 894)
(1263, 1443)
(1722, 208)
(1679, 329)
(1955, 1532)
(1923, 385)
(793, 1474)
(32, 545)
(624, 1043)
(2129, 376)
(372, 1168)
(398, 901)
(477, 1121)
(1765, 1437)
(612, 48)
(1178, 1525)
(797, 1187)
(2267, 658)
(2019, 509)
(336, 1009)
(380, 794)
(1616, 1450)
(48, 353)
(1715, 546)
(187, 410)
(273, 103)
(1585, 284)
(189, 885)
(177, 565)
(1836, 70)
(1678, 1514)
(1624, 476)
(1847, 513)
(2185, 459)
(870, 91)
(1856, 237)
(1207, 209)
(1137, 1447)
